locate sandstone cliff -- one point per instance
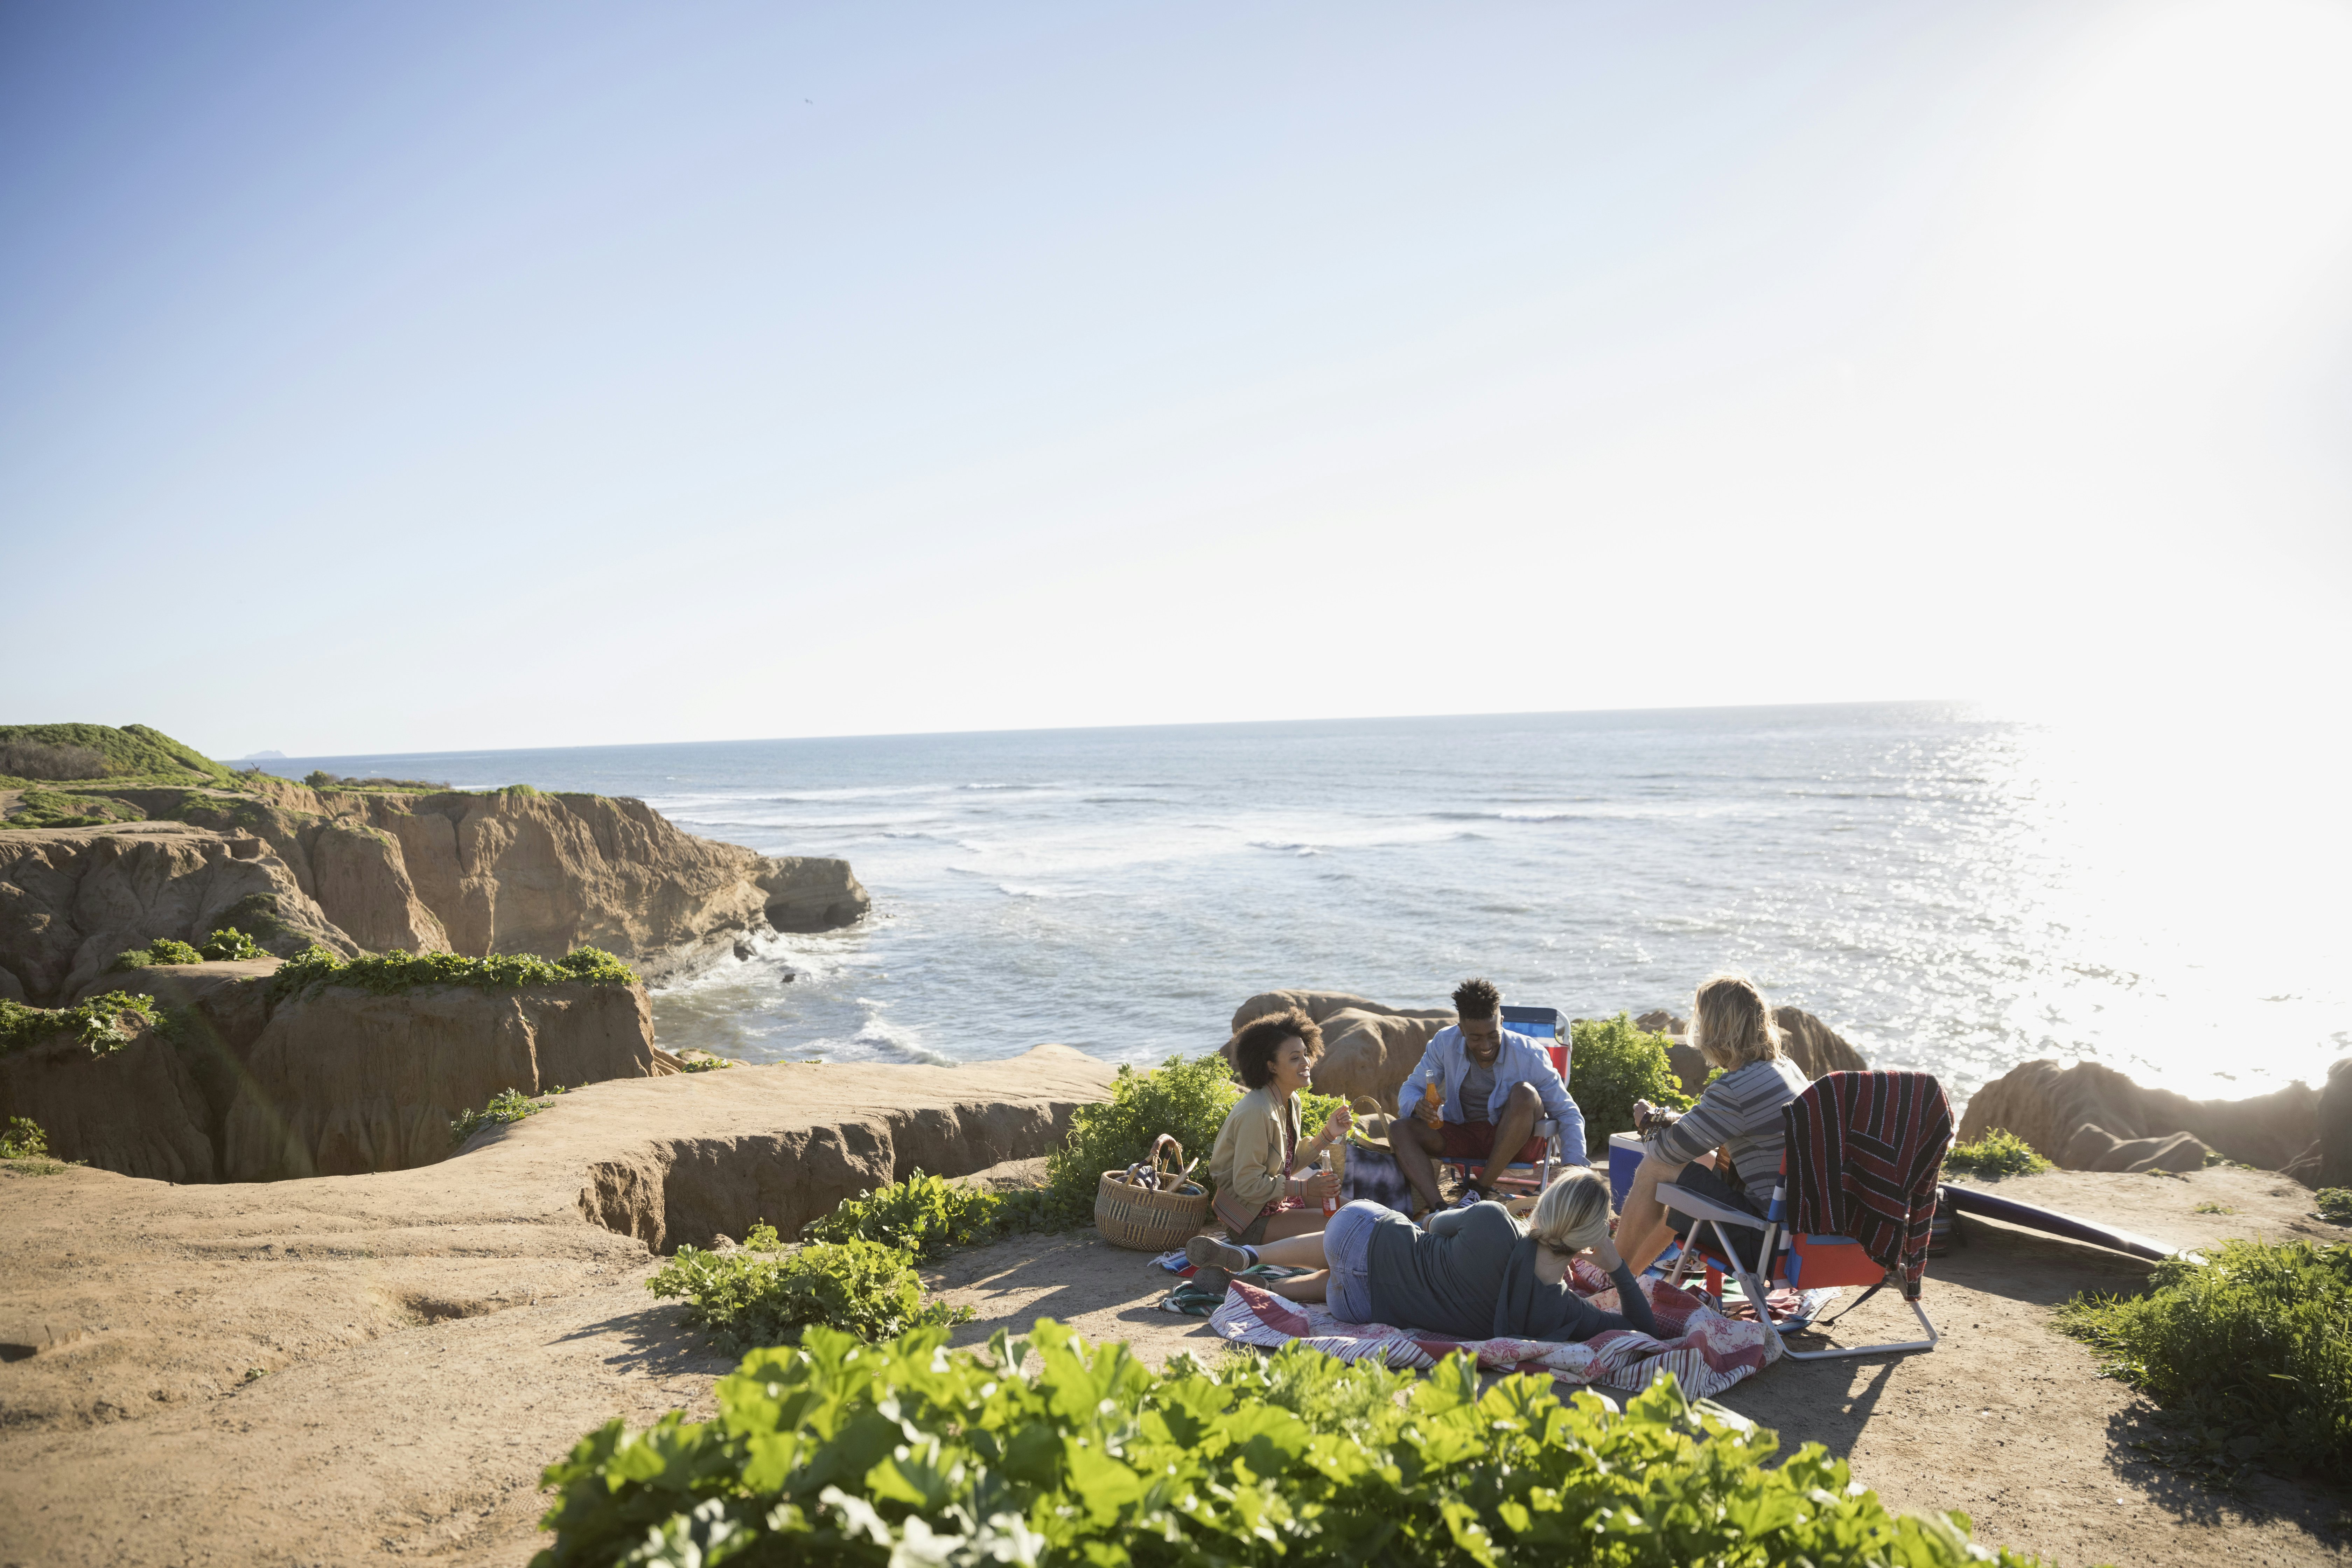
(337, 1083)
(515, 871)
(72, 898)
(2090, 1117)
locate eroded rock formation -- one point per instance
(514, 871)
(2089, 1117)
(338, 1082)
(343, 1082)
(72, 898)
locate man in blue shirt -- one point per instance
(1491, 1086)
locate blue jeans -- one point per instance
(1346, 1249)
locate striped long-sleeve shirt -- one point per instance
(1741, 1110)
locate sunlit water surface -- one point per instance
(1950, 891)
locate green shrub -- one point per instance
(761, 1297)
(164, 950)
(103, 1024)
(926, 1216)
(506, 1105)
(229, 944)
(24, 1139)
(1614, 1063)
(395, 971)
(2249, 1350)
(1188, 1097)
(907, 1453)
(703, 1064)
(2000, 1152)
(922, 1215)
(2333, 1205)
(55, 808)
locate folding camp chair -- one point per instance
(1800, 1260)
(1544, 1027)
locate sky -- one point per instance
(379, 378)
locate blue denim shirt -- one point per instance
(1521, 1060)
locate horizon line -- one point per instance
(1092, 729)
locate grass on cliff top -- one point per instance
(390, 973)
(225, 945)
(2248, 1352)
(102, 753)
(2000, 1152)
(37, 807)
(507, 1106)
(103, 1024)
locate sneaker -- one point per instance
(1215, 1252)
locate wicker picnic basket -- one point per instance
(1148, 1219)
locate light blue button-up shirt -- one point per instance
(1521, 1060)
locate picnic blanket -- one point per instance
(1707, 1353)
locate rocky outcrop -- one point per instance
(72, 898)
(137, 1110)
(1814, 1046)
(338, 1082)
(342, 1082)
(1810, 1043)
(1367, 1047)
(1660, 1022)
(2089, 1117)
(513, 871)
(2328, 1162)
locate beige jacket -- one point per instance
(1246, 1166)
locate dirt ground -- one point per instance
(417, 1429)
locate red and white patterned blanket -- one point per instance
(1707, 1351)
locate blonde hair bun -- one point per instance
(1573, 1211)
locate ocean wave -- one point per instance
(1014, 890)
(1290, 847)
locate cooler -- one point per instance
(1624, 1156)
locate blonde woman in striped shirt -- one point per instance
(1739, 1113)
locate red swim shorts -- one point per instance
(1475, 1141)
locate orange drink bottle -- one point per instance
(1431, 1095)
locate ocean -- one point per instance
(1950, 890)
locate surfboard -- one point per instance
(1976, 1200)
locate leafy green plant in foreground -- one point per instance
(506, 1105)
(2249, 1351)
(393, 973)
(845, 1453)
(103, 1024)
(1613, 1063)
(2000, 1152)
(762, 1296)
